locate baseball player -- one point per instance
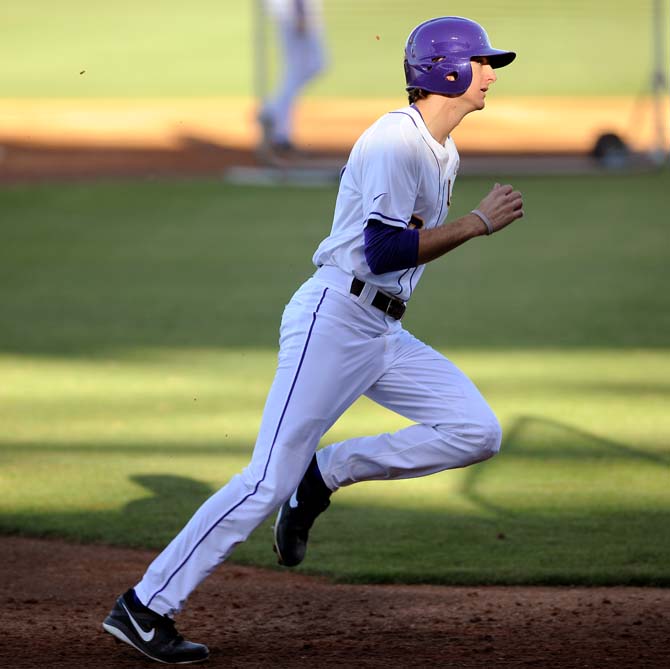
(300, 30)
(341, 337)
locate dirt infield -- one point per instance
(74, 139)
(26, 162)
(55, 596)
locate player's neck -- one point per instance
(440, 114)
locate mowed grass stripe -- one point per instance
(138, 336)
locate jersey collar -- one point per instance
(445, 150)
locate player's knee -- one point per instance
(479, 439)
(487, 437)
(315, 66)
(495, 436)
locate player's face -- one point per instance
(483, 75)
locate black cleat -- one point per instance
(297, 515)
(152, 634)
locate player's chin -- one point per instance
(479, 103)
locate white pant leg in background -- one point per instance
(331, 352)
(304, 59)
(454, 425)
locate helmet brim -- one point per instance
(497, 57)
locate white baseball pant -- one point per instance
(334, 347)
(304, 59)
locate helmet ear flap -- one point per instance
(457, 77)
(440, 76)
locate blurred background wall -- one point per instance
(168, 75)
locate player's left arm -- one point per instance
(502, 206)
(390, 248)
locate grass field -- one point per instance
(138, 329)
(168, 49)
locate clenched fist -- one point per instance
(501, 206)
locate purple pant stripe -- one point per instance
(267, 464)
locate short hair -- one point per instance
(414, 94)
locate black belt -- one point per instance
(389, 305)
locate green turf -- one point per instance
(75, 48)
(138, 329)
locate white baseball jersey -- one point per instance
(399, 174)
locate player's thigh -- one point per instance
(328, 358)
(426, 387)
(304, 55)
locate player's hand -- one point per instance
(502, 206)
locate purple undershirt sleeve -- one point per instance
(389, 248)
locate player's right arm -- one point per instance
(502, 206)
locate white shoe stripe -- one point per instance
(293, 502)
(145, 636)
(276, 525)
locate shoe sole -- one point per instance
(118, 634)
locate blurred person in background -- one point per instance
(300, 31)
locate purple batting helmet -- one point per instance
(444, 46)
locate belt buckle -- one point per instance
(395, 304)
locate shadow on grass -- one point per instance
(528, 526)
(550, 441)
(606, 541)
(148, 522)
